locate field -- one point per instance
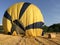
(18, 40)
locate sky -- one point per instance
(49, 8)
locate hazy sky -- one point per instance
(49, 8)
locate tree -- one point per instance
(54, 27)
(45, 28)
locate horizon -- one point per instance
(49, 8)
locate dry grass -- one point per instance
(52, 35)
(18, 40)
(49, 35)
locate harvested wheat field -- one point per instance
(18, 40)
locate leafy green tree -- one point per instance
(45, 28)
(54, 27)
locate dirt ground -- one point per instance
(18, 40)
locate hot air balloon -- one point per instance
(24, 17)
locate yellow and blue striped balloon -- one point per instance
(26, 16)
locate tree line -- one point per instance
(52, 28)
